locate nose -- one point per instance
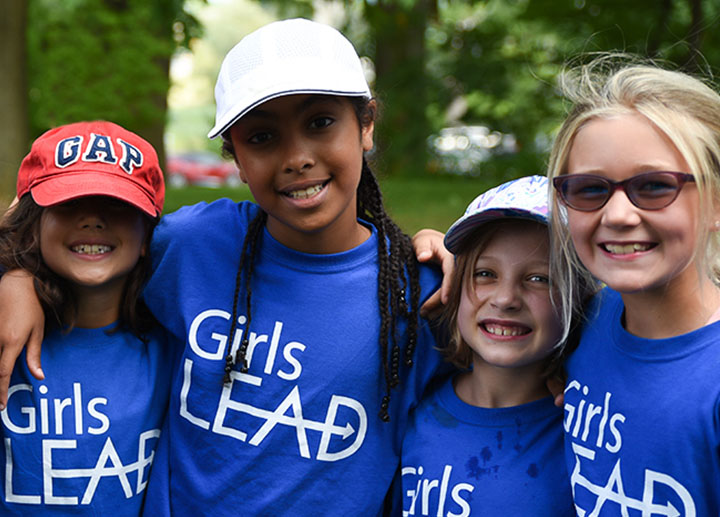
(507, 296)
(90, 216)
(92, 222)
(619, 211)
(298, 155)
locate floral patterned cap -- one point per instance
(522, 198)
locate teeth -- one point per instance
(91, 249)
(626, 249)
(305, 193)
(505, 331)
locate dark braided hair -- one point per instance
(250, 242)
(398, 273)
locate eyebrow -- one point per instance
(635, 170)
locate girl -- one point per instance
(299, 314)
(635, 165)
(493, 430)
(81, 441)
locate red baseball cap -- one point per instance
(92, 159)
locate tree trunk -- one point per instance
(400, 84)
(13, 96)
(155, 132)
(695, 33)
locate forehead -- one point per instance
(626, 141)
(515, 238)
(293, 105)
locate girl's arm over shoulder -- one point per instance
(22, 323)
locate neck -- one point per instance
(495, 387)
(673, 311)
(98, 307)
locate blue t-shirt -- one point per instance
(642, 420)
(462, 460)
(81, 442)
(299, 433)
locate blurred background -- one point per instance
(467, 88)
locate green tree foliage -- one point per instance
(497, 69)
(683, 32)
(440, 63)
(103, 59)
(500, 59)
(13, 96)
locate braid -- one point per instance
(250, 242)
(397, 269)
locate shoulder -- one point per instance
(203, 220)
(201, 215)
(603, 304)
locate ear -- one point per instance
(367, 131)
(367, 136)
(714, 217)
(241, 173)
(231, 135)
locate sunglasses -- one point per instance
(648, 191)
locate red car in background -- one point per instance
(201, 168)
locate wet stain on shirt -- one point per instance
(486, 455)
(533, 471)
(476, 470)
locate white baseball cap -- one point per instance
(285, 58)
(522, 198)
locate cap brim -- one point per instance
(458, 231)
(68, 186)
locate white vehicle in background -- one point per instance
(462, 149)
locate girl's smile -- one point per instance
(301, 156)
(504, 329)
(91, 249)
(626, 249)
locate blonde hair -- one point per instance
(684, 108)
